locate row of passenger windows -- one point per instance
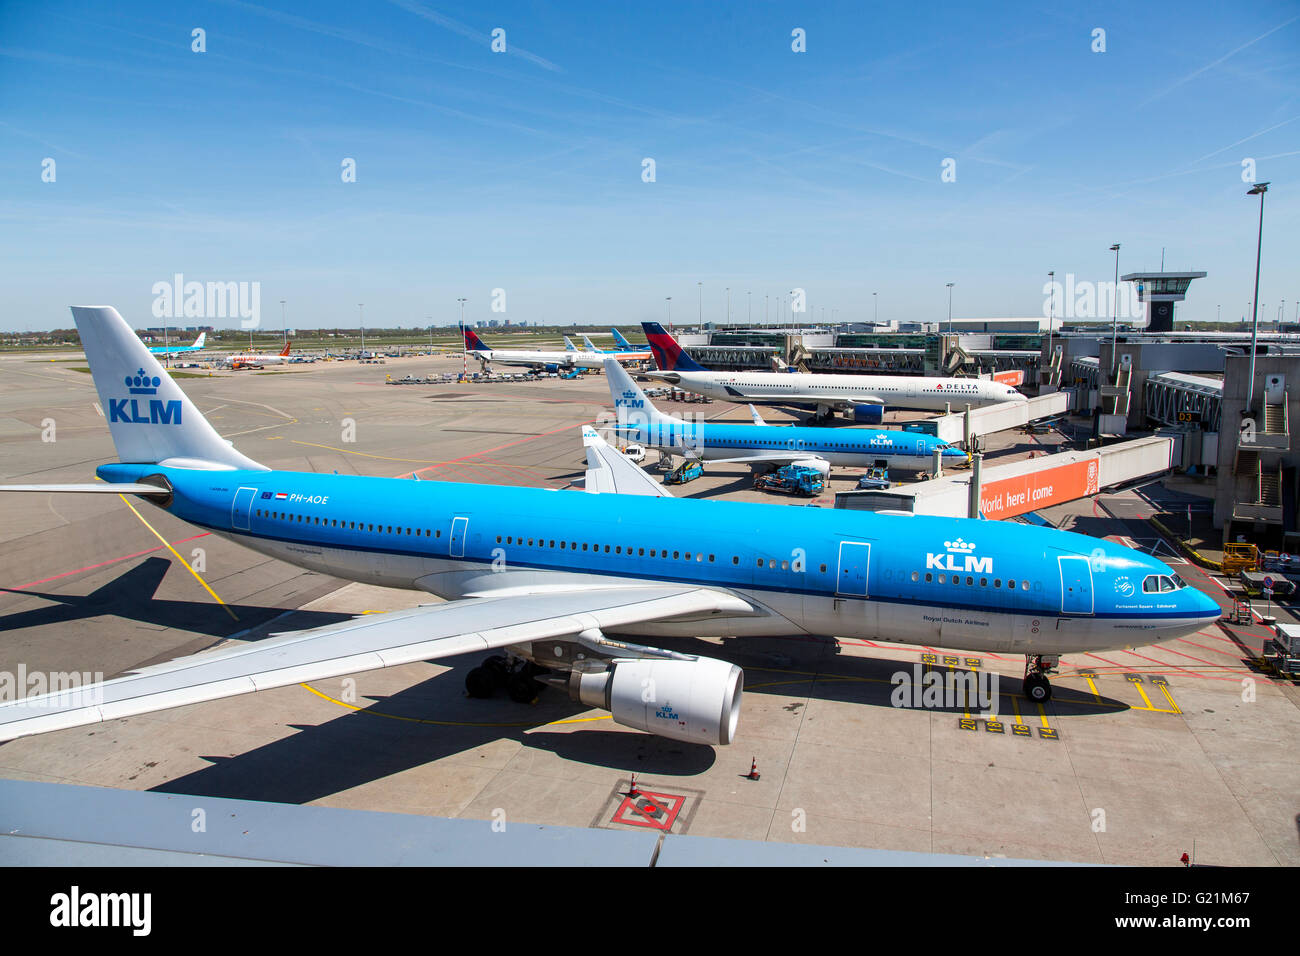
(970, 580)
(349, 525)
(698, 556)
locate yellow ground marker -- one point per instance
(1164, 689)
(1042, 715)
(449, 723)
(1092, 684)
(185, 564)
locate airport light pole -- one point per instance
(1257, 190)
(429, 319)
(749, 308)
(361, 311)
(1114, 322)
(766, 297)
(875, 301)
(700, 286)
(464, 350)
(669, 300)
(950, 285)
(1051, 312)
(284, 322)
(728, 305)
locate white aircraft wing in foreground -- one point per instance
(363, 644)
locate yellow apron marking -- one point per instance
(449, 723)
(185, 564)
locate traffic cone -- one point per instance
(632, 791)
(753, 770)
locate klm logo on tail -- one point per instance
(629, 400)
(135, 411)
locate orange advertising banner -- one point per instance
(1009, 497)
(1013, 377)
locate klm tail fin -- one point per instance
(200, 342)
(569, 346)
(588, 343)
(669, 356)
(151, 420)
(621, 343)
(630, 403)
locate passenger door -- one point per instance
(459, 530)
(854, 566)
(241, 509)
(1076, 585)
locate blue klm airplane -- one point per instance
(524, 572)
(759, 444)
(198, 346)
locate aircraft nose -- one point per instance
(1206, 606)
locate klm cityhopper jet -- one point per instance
(199, 345)
(638, 420)
(522, 570)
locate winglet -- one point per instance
(753, 413)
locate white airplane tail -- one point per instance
(151, 420)
(630, 402)
(200, 341)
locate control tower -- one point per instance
(1160, 290)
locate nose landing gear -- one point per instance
(1037, 667)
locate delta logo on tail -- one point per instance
(129, 410)
(669, 356)
(472, 342)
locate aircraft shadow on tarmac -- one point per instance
(421, 724)
(131, 596)
(435, 719)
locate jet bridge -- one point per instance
(961, 425)
(1005, 491)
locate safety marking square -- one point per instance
(1158, 680)
(1048, 733)
(973, 663)
(1021, 730)
(995, 726)
(656, 811)
(968, 723)
(951, 661)
(1133, 678)
(929, 659)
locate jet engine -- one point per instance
(695, 700)
(868, 414)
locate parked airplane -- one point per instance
(198, 346)
(547, 361)
(622, 350)
(863, 397)
(257, 359)
(522, 570)
(622, 344)
(762, 444)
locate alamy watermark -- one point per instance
(208, 300)
(1084, 299)
(37, 688)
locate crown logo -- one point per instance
(960, 546)
(629, 394)
(142, 384)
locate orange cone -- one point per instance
(632, 790)
(753, 770)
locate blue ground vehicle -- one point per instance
(874, 478)
(792, 480)
(686, 471)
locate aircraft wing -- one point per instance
(362, 644)
(767, 456)
(610, 471)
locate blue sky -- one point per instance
(522, 170)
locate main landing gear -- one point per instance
(516, 675)
(1037, 667)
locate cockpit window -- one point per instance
(1160, 583)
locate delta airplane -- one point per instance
(520, 570)
(198, 346)
(548, 361)
(863, 397)
(257, 359)
(760, 444)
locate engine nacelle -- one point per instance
(697, 701)
(868, 414)
(819, 465)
